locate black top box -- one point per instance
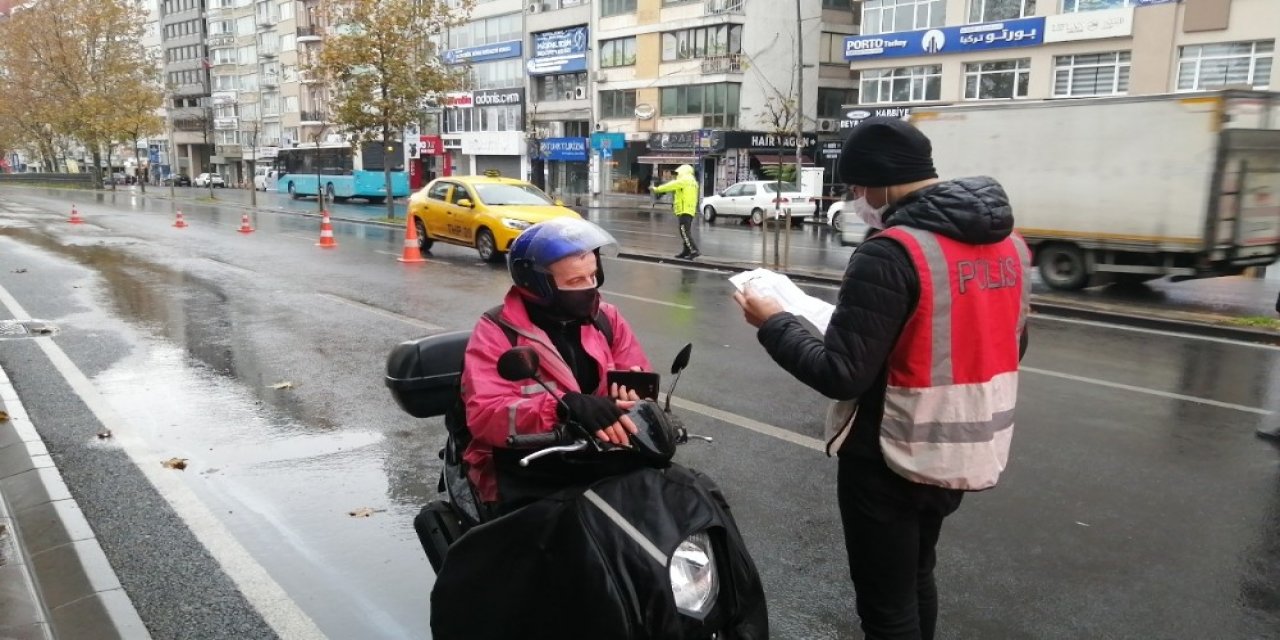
(425, 374)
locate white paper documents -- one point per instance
(779, 287)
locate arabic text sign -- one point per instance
(1025, 32)
(1089, 25)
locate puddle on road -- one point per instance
(273, 465)
(284, 488)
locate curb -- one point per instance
(71, 589)
(1138, 318)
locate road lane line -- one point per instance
(749, 424)
(266, 596)
(381, 312)
(223, 263)
(1157, 332)
(649, 300)
(1153, 392)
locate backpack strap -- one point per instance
(495, 315)
(601, 322)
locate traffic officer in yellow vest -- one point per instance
(923, 347)
(685, 206)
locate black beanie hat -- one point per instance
(884, 151)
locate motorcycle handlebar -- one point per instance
(538, 440)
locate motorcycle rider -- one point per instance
(553, 306)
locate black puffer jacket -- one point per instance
(877, 297)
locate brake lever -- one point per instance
(578, 445)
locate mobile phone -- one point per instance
(644, 383)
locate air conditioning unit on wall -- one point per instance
(826, 125)
(600, 126)
(536, 7)
(579, 93)
(568, 95)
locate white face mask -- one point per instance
(872, 216)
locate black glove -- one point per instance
(593, 413)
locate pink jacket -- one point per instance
(497, 408)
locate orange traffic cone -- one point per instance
(326, 233)
(180, 223)
(244, 224)
(411, 252)
(75, 216)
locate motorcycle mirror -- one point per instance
(518, 363)
(682, 359)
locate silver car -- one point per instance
(843, 221)
(754, 200)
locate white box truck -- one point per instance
(1127, 188)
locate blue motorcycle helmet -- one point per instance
(542, 245)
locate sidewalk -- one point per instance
(55, 581)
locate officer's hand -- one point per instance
(755, 307)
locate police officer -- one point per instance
(926, 338)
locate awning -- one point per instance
(667, 160)
(786, 159)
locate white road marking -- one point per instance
(1157, 332)
(649, 300)
(643, 233)
(381, 312)
(387, 253)
(749, 424)
(1147, 391)
(266, 596)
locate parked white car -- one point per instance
(843, 221)
(264, 178)
(755, 199)
(206, 179)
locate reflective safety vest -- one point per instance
(953, 374)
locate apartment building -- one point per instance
(913, 52)
(185, 73)
(591, 97)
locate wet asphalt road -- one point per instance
(1138, 503)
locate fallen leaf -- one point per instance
(104, 434)
(4, 417)
(175, 463)
(19, 270)
(364, 512)
(1082, 524)
(282, 385)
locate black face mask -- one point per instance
(579, 304)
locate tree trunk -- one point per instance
(95, 172)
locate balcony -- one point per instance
(313, 117)
(735, 63)
(226, 124)
(718, 7)
(306, 77)
(309, 33)
(266, 23)
(268, 53)
(269, 81)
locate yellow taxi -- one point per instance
(484, 212)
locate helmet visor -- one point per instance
(555, 240)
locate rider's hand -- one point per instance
(620, 392)
(605, 417)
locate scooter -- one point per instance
(633, 546)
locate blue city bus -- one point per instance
(340, 172)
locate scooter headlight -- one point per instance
(693, 575)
